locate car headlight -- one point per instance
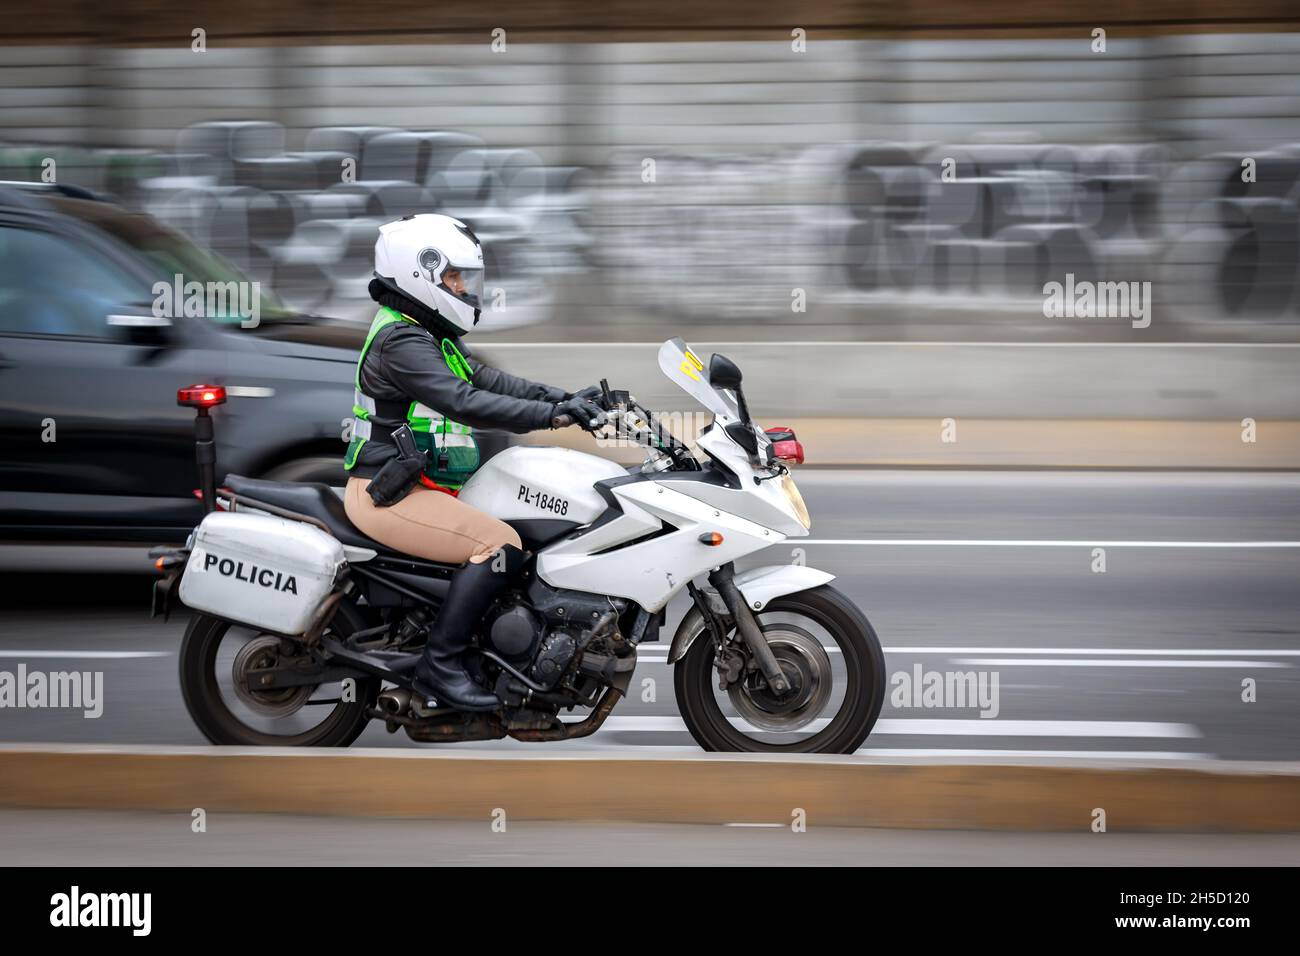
(796, 501)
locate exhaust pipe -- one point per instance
(395, 702)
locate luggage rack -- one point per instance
(234, 502)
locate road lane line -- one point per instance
(94, 655)
(997, 727)
(1033, 543)
(1102, 662)
(1098, 651)
(652, 655)
(1034, 754)
(958, 727)
(594, 743)
(911, 343)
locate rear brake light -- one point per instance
(201, 396)
(218, 502)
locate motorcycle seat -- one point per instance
(320, 501)
(323, 502)
(308, 498)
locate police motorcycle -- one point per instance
(304, 630)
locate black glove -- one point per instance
(591, 393)
(580, 411)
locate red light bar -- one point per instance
(789, 450)
(201, 396)
(784, 445)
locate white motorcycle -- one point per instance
(305, 630)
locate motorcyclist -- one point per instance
(415, 370)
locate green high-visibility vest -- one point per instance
(453, 452)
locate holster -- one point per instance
(399, 475)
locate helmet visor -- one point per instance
(464, 284)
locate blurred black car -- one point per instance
(94, 444)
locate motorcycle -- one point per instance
(304, 630)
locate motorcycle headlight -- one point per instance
(796, 501)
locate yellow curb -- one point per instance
(1015, 443)
(708, 788)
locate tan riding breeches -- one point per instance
(428, 524)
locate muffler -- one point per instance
(395, 702)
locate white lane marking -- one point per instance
(1035, 543)
(972, 727)
(842, 343)
(1102, 662)
(95, 655)
(1081, 651)
(594, 743)
(997, 727)
(1046, 754)
(659, 655)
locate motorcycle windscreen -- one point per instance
(690, 372)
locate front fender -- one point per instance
(758, 586)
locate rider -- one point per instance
(414, 369)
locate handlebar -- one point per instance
(564, 420)
(616, 402)
(622, 407)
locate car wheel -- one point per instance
(326, 469)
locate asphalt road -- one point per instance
(989, 572)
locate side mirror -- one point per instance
(723, 372)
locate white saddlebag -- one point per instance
(267, 572)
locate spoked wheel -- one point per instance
(218, 666)
(834, 664)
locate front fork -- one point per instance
(723, 581)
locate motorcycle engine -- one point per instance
(553, 658)
(540, 637)
(514, 633)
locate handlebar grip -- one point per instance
(561, 421)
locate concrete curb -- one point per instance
(676, 788)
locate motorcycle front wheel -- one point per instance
(825, 646)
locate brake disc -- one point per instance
(260, 652)
(806, 665)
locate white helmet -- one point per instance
(417, 255)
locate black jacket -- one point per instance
(405, 364)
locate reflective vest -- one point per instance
(453, 452)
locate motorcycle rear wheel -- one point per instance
(215, 713)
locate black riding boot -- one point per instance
(440, 673)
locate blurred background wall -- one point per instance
(633, 166)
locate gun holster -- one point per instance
(399, 475)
